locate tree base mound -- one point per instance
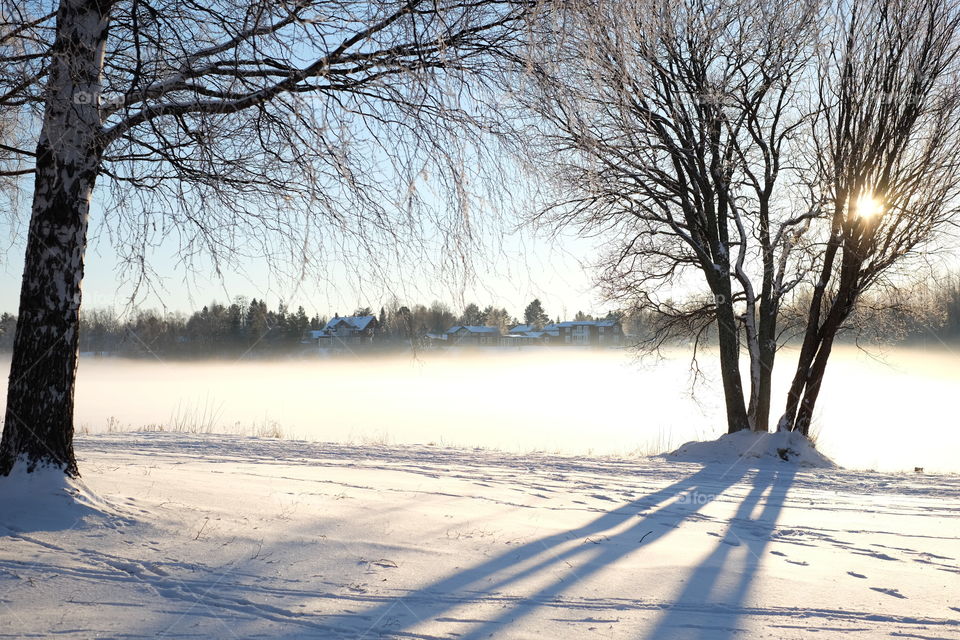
(47, 500)
(753, 448)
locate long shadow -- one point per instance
(537, 559)
(708, 608)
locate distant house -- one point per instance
(434, 340)
(343, 332)
(552, 330)
(311, 337)
(596, 333)
(351, 329)
(351, 326)
(465, 335)
(525, 334)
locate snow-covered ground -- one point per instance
(202, 536)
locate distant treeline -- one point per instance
(927, 313)
(249, 326)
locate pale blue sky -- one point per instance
(527, 267)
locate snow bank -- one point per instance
(47, 500)
(752, 447)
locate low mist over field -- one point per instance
(895, 410)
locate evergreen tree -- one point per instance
(439, 317)
(257, 323)
(499, 318)
(235, 321)
(382, 321)
(402, 323)
(472, 316)
(535, 315)
(300, 322)
(8, 324)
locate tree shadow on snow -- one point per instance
(712, 601)
(549, 562)
(524, 580)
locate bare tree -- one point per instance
(233, 124)
(886, 140)
(23, 64)
(667, 130)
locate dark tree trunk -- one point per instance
(729, 341)
(839, 312)
(718, 277)
(812, 389)
(38, 425)
(818, 344)
(807, 352)
(811, 336)
(767, 337)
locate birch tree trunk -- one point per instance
(38, 429)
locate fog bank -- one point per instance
(895, 413)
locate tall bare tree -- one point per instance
(667, 128)
(227, 123)
(886, 140)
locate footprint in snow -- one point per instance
(890, 592)
(732, 543)
(151, 567)
(856, 575)
(384, 563)
(874, 554)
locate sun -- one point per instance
(868, 207)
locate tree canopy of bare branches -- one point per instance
(729, 153)
(886, 143)
(668, 126)
(234, 125)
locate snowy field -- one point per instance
(202, 536)
(891, 413)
